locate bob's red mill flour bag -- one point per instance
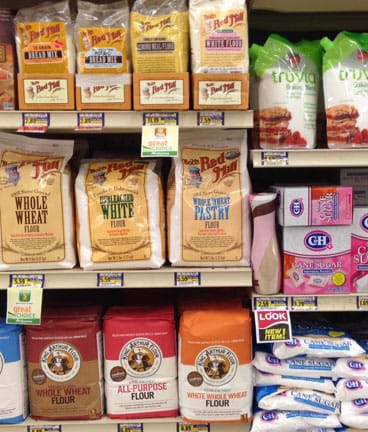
(65, 365)
(120, 213)
(207, 203)
(140, 362)
(215, 365)
(36, 206)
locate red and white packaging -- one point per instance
(359, 250)
(140, 362)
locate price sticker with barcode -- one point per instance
(130, 427)
(90, 121)
(38, 122)
(275, 159)
(362, 303)
(44, 428)
(188, 279)
(304, 303)
(110, 280)
(188, 427)
(210, 119)
(270, 303)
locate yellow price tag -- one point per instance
(110, 280)
(270, 303)
(186, 279)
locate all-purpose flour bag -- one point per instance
(120, 213)
(140, 362)
(207, 203)
(215, 369)
(13, 375)
(36, 206)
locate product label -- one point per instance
(270, 303)
(46, 91)
(161, 92)
(189, 427)
(275, 159)
(110, 280)
(220, 93)
(90, 121)
(44, 428)
(103, 94)
(160, 135)
(35, 122)
(187, 279)
(130, 427)
(359, 252)
(304, 303)
(210, 119)
(24, 305)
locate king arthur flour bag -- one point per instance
(120, 215)
(215, 365)
(36, 206)
(208, 212)
(219, 36)
(140, 362)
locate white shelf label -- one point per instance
(188, 427)
(44, 428)
(35, 122)
(90, 121)
(275, 159)
(110, 280)
(130, 427)
(27, 281)
(362, 303)
(188, 279)
(210, 119)
(270, 303)
(304, 303)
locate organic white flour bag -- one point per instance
(120, 214)
(207, 203)
(36, 206)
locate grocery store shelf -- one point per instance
(166, 277)
(121, 121)
(310, 158)
(311, 5)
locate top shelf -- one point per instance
(300, 6)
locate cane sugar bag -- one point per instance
(13, 377)
(140, 362)
(208, 188)
(102, 33)
(160, 36)
(36, 206)
(44, 38)
(219, 36)
(120, 215)
(215, 365)
(65, 365)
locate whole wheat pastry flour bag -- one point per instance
(207, 202)
(287, 80)
(120, 214)
(345, 81)
(44, 38)
(36, 206)
(65, 364)
(13, 374)
(140, 362)
(215, 365)
(219, 36)
(160, 36)
(102, 37)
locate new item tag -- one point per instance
(273, 326)
(160, 135)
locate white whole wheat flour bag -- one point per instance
(36, 206)
(219, 36)
(120, 214)
(355, 367)
(293, 421)
(355, 413)
(207, 203)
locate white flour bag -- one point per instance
(120, 215)
(36, 206)
(207, 203)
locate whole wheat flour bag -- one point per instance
(140, 362)
(215, 365)
(102, 33)
(208, 211)
(219, 36)
(13, 375)
(65, 365)
(160, 36)
(120, 214)
(36, 206)
(44, 38)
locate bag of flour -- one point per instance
(140, 362)
(44, 38)
(219, 36)
(36, 206)
(207, 202)
(120, 213)
(215, 365)
(13, 376)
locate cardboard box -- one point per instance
(46, 92)
(220, 91)
(104, 92)
(358, 179)
(161, 91)
(7, 62)
(359, 250)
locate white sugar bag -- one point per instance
(355, 413)
(349, 389)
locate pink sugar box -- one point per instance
(359, 250)
(317, 260)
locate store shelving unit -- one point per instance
(311, 5)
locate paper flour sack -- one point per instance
(140, 362)
(13, 375)
(215, 370)
(120, 215)
(207, 202)
(36, 206)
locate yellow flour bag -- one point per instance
(160, 36)
(36, 206)
(102, 33)
(207, 208)
(44, 38)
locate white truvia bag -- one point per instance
(207, 202)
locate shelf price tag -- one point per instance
(211, 119)
(188, 427)
(188, 279)
(130, 427)
(35, 122)
(270, 303)
(362, 303)
(304, 303)
(44, 428)
(110, 280)
(160, 135)
(90, 121)
(273, 326)
(275, 158)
